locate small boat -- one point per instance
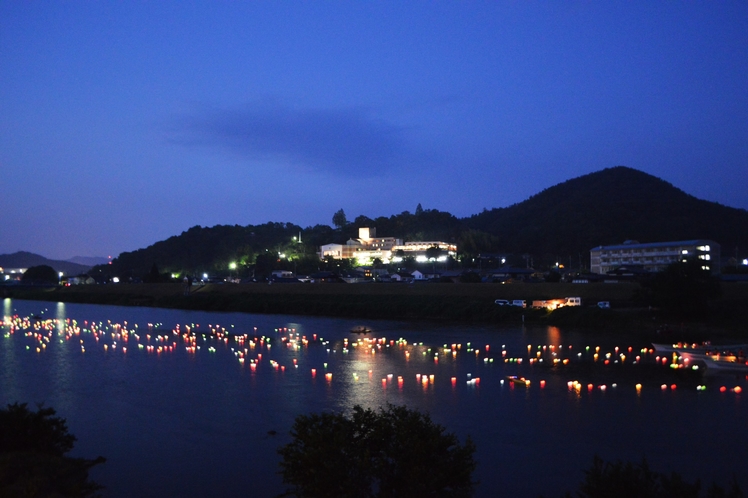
(726, 364)
(361, 329)
(519, 381)
(695, 351)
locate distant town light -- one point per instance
(745, 262)
(115, 280)
(232, 266)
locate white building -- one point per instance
(365, 248)
(418, 250)
(654, 256)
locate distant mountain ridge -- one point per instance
(561, 223)
(22, 259)
(608, 207)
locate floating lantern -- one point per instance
(722, 389)
(738, 389)
(542, 384)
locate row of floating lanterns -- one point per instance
(41, 331)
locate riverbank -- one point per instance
(464, 303)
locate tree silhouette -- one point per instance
(41, 274)
(339, 219)
(32, 455)
(386, 453)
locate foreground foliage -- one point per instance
(386, 453)
(625, 480)
(33, 445)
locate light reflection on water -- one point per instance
(192, 424)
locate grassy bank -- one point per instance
(442, 302)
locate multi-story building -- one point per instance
(654, 256)
(365, 248)
(418, 249)
(368, 246)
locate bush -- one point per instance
(624, 480)
(392, 452)
(32, 455)
(40, 274)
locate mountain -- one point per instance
(609, 207)
(23, 259)
(559, 224)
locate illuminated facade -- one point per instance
(365, 248)
(654, 256)
(368, 246)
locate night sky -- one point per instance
(124, 123)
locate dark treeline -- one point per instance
(559, 224)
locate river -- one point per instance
(171, 399)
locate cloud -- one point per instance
(345, 142)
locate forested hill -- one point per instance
(561, 223)
(608, 207)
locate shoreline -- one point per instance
(471, 303)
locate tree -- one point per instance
(153, 276)
(339, 219)
(40, 274)
(386, 453)
(32, 455)
(419, 210)
(433, 252)
(624, 479)
(683, 287)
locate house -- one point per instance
(282, 274)
(653, 257)
(401, 277)
(324, 277)
(419, 275)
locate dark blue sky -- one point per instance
(124, 123)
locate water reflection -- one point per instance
(62, 371)
(9, 366)
(175, 400)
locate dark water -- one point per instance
(181, 423)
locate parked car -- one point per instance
(603, 305)
(502, 302)
(519, 302)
